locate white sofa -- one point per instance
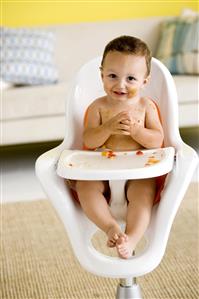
(37, 113)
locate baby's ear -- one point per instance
(146, 80)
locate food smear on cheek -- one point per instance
(132, 92)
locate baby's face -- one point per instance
(123, 75)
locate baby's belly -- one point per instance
(122, 143)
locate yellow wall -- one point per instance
(42, 12)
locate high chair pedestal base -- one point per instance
(128, 291)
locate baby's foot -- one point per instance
(114, 233)
(124, 247)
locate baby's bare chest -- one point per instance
(137, 113)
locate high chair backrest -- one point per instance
(87, 86)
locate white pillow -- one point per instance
(27, 56)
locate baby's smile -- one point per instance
(120, 93)
(130, 93)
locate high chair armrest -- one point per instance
(45, 168)
(48, 158)
(186, 156)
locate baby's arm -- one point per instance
(96, 133)
(151, 135)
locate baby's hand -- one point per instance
(135, 125)
(120, 123)
(133, 122)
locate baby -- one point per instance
(122, 120)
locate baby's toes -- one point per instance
(121, 240)
(122, 246)
(123, 252)
(123, 237)
(111, 243)
(115, 237)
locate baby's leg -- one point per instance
(140, 194)
(95, 206)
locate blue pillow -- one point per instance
(27, 56)
(178, 45)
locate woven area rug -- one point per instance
(37, 261)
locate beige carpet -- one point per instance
(37, 261)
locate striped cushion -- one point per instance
(27, 56)
(179, 45)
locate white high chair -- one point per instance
(85, 88)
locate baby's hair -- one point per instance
(129, 45)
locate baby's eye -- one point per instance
(112, 76)
(131, 78)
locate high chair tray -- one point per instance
(109, 165)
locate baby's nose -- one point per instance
(121, 83)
